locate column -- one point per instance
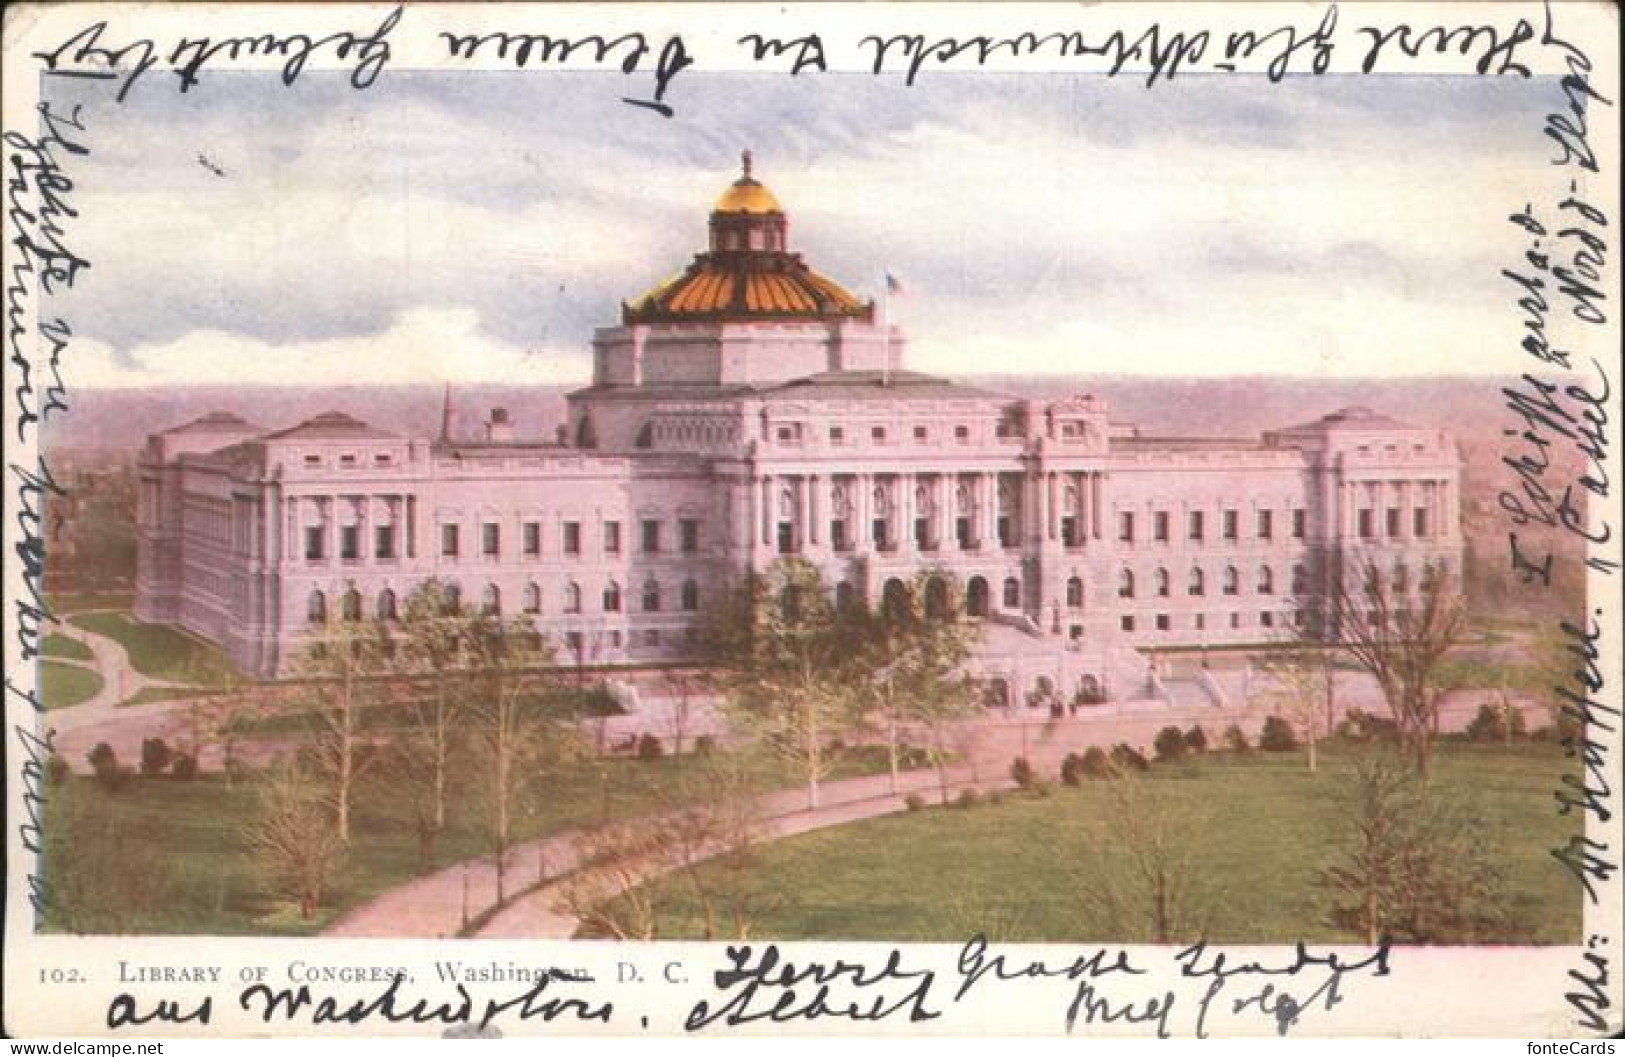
(816, 507)
(948, 511)
(1452, 517)
(1052, 500)
(1080, 522)
(1407, 520)
(767, 510)
(1094, 503)
(905, 505)
(802, 529)
(988, 534)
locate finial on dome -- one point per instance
(744, 161)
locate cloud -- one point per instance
(423, 345)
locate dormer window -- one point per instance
(347, 459)
(383, 458)
(837, 435)
(313, 460)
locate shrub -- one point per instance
(1277, 736)
(1170, 744)
(1022, 772)
(1041, 788)
(1096, 764)
(649, 747)
(1491, 724)
(705, 745)
(1127, 758)
(184, 767)
(1196, 739)
(914, 802)
(56, 769)
(1072, 769)
(102, 757)
(1236, 740)
(155, 757)
(1362, 727)
(968, 798)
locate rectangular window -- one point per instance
(313, 543)
(1196, 526)
(384, 542)
(1069, 531)
(962, 533)
(1266, 524)
(837, 435)
(1162, 622)
(651, 537)
(787, 538)
(491, 539)
(1419, 521)
(1235, 620)
(572, 641)
(612, 537)
(689, 530)
(1267, 619)
(1125, 528)
(1126, 623)
(1159, 526)
(1300, 523)
(350, 543)
(572, 537)
(1368, 527)
(878, 434)
(878, 530)
(1004, 530)
(1231, 530)
(920, 433)
(962, 434)
(922, 533)
(1199, 622)
(533, 538)
(837, 535)
(1394, 515)
(448, 541)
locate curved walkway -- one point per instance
(434, 905)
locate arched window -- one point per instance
(1198, 581)
(350, 606)
(651, 597)
(691, 596)
(572, 597)
(1232, 580)
(1125, 583)
(976, 597)
(1266, 580)
(845, 597)
(1402, 578)
(531, 599)
(1074, 592)
(936, 599)
(452, 600)
(491, 601)
(1300, 580)
(894, 599)
(387, 609)
(316, 608)
(1160, 578)
(612, 598)
(1012, 593)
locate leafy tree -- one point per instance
(429, 652)
(788, 665)
(1277, 736)
(1411, 868)
(342, 672)
(1298, 684)
(513, 738)
(1169, 745)
(1401, 636)
(915, 648)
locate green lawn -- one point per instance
(65, 604)
(64, 648)
(162, 856)
(1257, 832)
(65, 685)
(150, 694)
(161, 651)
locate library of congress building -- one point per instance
(751, 408)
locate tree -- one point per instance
(1411, 867)
(1298, 685)
(1144, 880)
(514, 740)
(293, 839)
(343, 673)
(1400, 636)
(787, 665)
(916, 646)
(429, 652)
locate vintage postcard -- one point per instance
(870, 519)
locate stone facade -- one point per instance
(752, 408)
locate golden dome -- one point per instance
(745, 195)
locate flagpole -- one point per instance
(885, 328)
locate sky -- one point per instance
(476, 227)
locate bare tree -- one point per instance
(293, 839)
(430, 653)
(1400, 634)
